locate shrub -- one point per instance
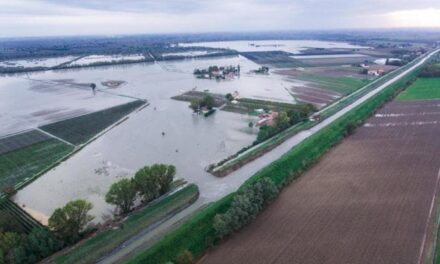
(245, 207)
(185, 257)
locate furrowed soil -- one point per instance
(369, 200)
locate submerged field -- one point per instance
(164, 132)
(369, 200)
(25, 155)
(80, 129)
(422, 89)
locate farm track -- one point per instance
(369, 200)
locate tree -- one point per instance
(40, 243)
(294, 117)
(147, 185)
(164, 175)
(8, 242)
(122, 194)
(208, 102)
(70, 221)
(155, 180)
(282, 121)
(245, 206)
(195, 105)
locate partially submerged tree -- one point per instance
(71, 220)
(122, 194)
(154, 181)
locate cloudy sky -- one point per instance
(90, 17)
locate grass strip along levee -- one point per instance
(198, 234)
(258, 150)
(80, 129)
(95, 247)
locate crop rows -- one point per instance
(80, 129)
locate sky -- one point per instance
(20, 18)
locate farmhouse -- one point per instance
(267, 119)
(377, 70)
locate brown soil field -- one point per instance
(371, 199)
(331, 71)
(312, 95)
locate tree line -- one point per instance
(70, 223)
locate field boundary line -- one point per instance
(55, 137)
(388, 80)
(431, 209)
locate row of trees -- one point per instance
(71, 222)
(431, 71)
(148, 183)
(245, 207)
(281, 122)
(22, 248)
(17, 245)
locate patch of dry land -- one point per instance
(369, 200)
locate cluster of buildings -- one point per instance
(218, 73)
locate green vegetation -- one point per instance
(431, 71)
(15, 219)
(152, 182)
(207, 102)
(95, 247)
(198, 233)
(122, 194)
(277, 59)
(69, 222)
(246, 205)
(80, 129)
(21, 248)
(281, 122)
(422, 89)
(248, 154)
(25, 163)
(343, 85)
(23, 239)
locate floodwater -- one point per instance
(107, 58)
(44, 62)
(293, 46)
(28, 101)
(190, 142)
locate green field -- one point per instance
(26, 162)
(80, 129)
(97, 246)
(197, 234)
(342, 85)
(23, 219)
(422, 89)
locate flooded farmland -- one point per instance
(164, 132)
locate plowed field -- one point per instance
(371, 199)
